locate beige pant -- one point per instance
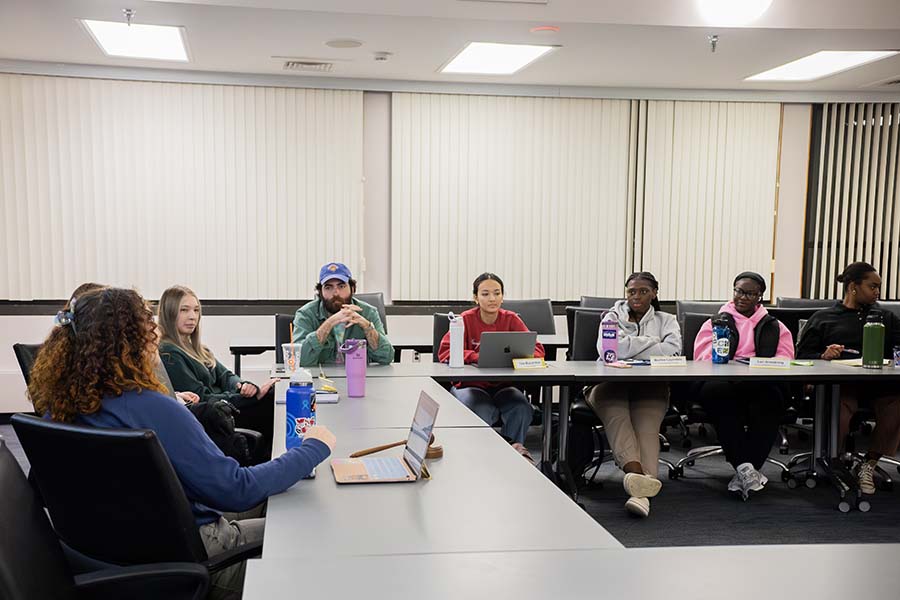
(632, 414)
(229, 532)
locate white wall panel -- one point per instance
(238, 192)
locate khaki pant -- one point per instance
(229, 532)
(632, 414)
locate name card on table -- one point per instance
(520, 364)
(770, 363)
(668, 361)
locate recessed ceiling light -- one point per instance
(343, 43)
(731, 13)
(489, 58)
(821, 64)
(158, 42)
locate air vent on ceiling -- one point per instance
(309, 66)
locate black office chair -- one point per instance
(597, 302)
(814, 303)
(376, 299)
(687, 394)
(113, 495)
(699, 307)
(536, 314)
(571, 311)
(33, 565)
(25, 355)
(282, 335)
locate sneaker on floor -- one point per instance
(641, 486)
(735, 484)
(639, 507)
(866, 477)
(750, 479)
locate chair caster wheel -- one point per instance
(676, 473)
(810, 482)
(864, 506)
(843, 506)
(792, 483)
(690, 463)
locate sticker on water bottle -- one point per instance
(722, 346)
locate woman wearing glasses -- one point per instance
(746, 415)
(632, 413)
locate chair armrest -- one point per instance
(173, 581)
(232, 557)
(252, 436)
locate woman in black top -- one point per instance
(830, 332)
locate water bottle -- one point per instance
(609, 337)
(873, 341)
(300, 406)
(355, 359)
(721, 342)
(457, 340)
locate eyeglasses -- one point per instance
(632, 292)
(739, 293)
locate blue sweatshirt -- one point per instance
(212, 481)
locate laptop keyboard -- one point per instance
(385, 468)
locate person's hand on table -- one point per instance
(832, 352)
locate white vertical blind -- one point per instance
(708, 206)
(238, 192)
(857, 204)
(534, 189)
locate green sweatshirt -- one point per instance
(311, 316)
(189, 375)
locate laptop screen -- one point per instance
(420, 432)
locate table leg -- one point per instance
(546, 430)
(562, 466)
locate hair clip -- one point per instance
(64, 318)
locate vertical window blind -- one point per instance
(534, 189)
(854, 204)
(238, 192)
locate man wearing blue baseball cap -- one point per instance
(335, 315)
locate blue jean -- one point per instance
(509, 405)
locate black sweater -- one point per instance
(841, 325)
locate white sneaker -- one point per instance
(735, 484)
(866, 477)
(750, 479)
(639, 485)
(639, 507)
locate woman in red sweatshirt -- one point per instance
(487, 400)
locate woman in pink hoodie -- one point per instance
(746, 415)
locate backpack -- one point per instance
(217, 419)
(765, 335)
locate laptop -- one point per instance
(392, 469)
(499, 348)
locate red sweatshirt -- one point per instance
(507, 320)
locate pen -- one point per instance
(851, 351)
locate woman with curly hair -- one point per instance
(96, 368)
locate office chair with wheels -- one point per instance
(33, 566)
(536, 314)
(282, 335)
(130, 507)
(597, 302)
(809, 303)
(25, 356)
(376, 299)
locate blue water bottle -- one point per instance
(300, 406)
(721, 342)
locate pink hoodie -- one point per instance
(745, 325)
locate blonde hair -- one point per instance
(169, 304)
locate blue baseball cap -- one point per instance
(335, 271)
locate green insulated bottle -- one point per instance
(873, 341)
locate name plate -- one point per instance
(668, 361)
(769, 363)
(529, 363)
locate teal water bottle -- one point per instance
(873, 341)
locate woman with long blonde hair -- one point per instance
(192, 367)
(96, 368)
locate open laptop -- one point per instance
(391, 469)
(499, 348)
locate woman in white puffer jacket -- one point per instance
(633, 412)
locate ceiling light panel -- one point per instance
(155, 42)
(821, 64)
(489, 58)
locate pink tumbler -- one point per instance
(355, 359)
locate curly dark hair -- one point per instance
(107, 349)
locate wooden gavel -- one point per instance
(432, 452)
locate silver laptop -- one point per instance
(499, 348)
